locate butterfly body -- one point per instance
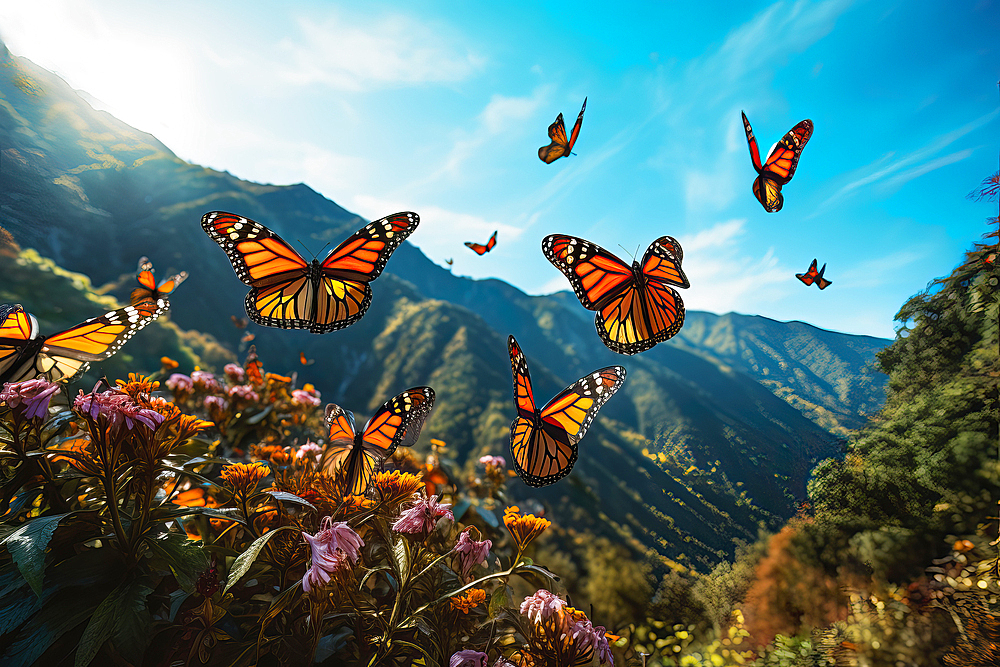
(290, 293)
(543, 441)
(357, 454)
(812, 276)
(636, 306)
(561, 146)
(780, 164)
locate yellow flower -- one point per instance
(242, 478)
(138, 386)
(472, 598)
(395, 487)
(168, 364)
(523, 528)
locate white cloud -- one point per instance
(392, 50)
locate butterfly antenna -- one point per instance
(310, 251)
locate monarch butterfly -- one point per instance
(779, 167)
(397, 422)
(149, 291)
(304, 361)
(561, 146)
(543, 443)
(636, 308)
(482, 249)
(24, 354)
(449, 262)
(253, 367)
(290, 293)
(811, 276)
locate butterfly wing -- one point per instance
(492, 242)
(524, 397)
(398, 421)
(66, 354)
(576, 127)
(822, 282)
(752, 143)
(597, 276)
(768, 193)
(341, 451)
(253, 367)
(809, 276)
(148, 290)
(560, 144)
(18, 343)
(481, 249)
(784, 157)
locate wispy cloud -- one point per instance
(892, 173)
(392, 50)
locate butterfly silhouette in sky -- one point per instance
(290, 293)
(812, 276)
(480, 249)
(543, 442)
(304, 361)
(561, 146)
(148, 291)
(449, 262)
(779, 167)
(636, 307)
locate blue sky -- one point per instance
(440, 107)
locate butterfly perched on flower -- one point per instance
(812, 276)
(358, 454)
(561, 146)
(290, 293)
(24, 354)
(148, 291)
(636, 307)
(480, 249)
(779, 167)
(543, 442)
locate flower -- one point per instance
(115, 408)
(168, 364)
(468, 659)
(493, 461)
(471, 552)
(300, 397)
(179, 384)
(235, 373)
(34, 395)
(423, 516)
(541, 605)
(562, 635)
(215, 405)
(205, 382)
(330, 549)
(138, 387)
(243, 392)
(523, 528)
(242, 478)
(472, 598)
(310, 449)
(395, 487)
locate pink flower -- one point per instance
(541, 605)
(603, 648)
(205, 382)
(304, 398)
(471, 552)
(235, 373)
(215, 402)
(423, 516)
(34, 395)
(309, 449)
(115, 408)
(333, 548)
(468, 659)
(495, 461)
(179, 383)
(243, 392)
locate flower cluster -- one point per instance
(523, 528)
(422, 516)
(31, 395)
(112, 409)
(331, 549)
(561, 635)
(470, 552)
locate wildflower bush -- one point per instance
(127, 538)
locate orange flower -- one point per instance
(243, 478)
(523, 528)
(168, 364)
(275, 378)
(138, 386)
(395, 487)
(472, 598)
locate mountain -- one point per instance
(712, 436)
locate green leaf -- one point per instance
(185, 558)
(27, 547)
(171, 511)
(460, 508)
(246, 559)
(126, 600)
(500, 600)
(401, 556)
(290, 498)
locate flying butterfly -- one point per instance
(779, 167)
(148, 291)
(543, 443)
(359, 454)
(449, 262)
(480, 249)
(812, 276)
(561, 146)
(290, 293)
(24, 354)
(304, 361)
(636, 307)
(253, 367)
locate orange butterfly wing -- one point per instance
(149, 291)
(254, 368)
(543, 443)
(483, 249)
(636, 308)
(561, 146)
(780, 165)
(17, 331)
(397, 422)
(810, 275)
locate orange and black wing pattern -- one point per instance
(561, 145)
(397, 422)
(812, 276)
(779, 167)
(254, 368)
(543, 443)
(636, 306)
(481, 249)
(148, 291)
(18, 343)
